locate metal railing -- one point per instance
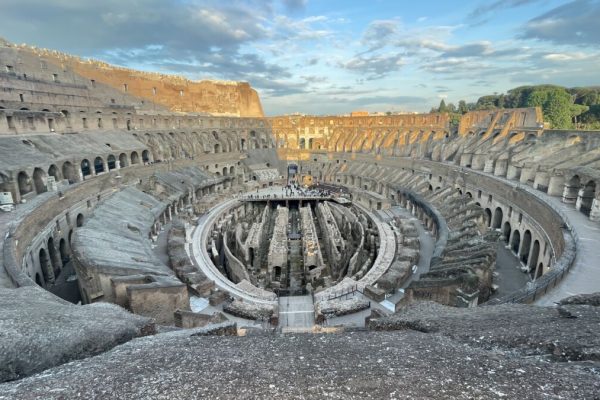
(344, 292)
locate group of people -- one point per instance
(295, 190)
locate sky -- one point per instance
(330, 56)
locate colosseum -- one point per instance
(159, 248)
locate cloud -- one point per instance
(377, 66)
(295, 5)
(575, 23)
(483, 12)
(378, 33)
(469, 50)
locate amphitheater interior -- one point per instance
(156, 253)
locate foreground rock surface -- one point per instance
(526, 329)
(38, 331)
(356, 365)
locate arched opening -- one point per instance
(67, 116)
(302, 143)
(53, 257)
(497, 221)
(217, 148)
(44, 265)
(586, 197)
(277, 271)
(243, 144)
(123, 160)
(68, 172)
(525, 247)
(53, 172)
(24, 183)
(38, 280)
(470, 195)
(506, 231)
(111, 161)
(488, 217)
(98, 165)
(79, 221)
(540, 270)
(135, 158)
(533, 258)
(64, 252)
(231, 170)
(145, 156)
(516, 241)
(38, 180)
(225, 171)
(571, 190)
(85, 168)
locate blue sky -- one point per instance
(330, 57)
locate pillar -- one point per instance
(541, 181)
(501, 167)
(513, 172)
(570, 193)
(556, 185)
(595, 210)
(489, 165)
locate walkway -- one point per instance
(5, 220)
(296, 313)
(426, 240)
(584, 276)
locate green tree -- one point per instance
(576, 110)
(462, 107)
(442, 108)
(555, 103)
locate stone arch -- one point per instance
(488, 217)
(24, 183)
(497, 220)
(123, 160)
(145, 156)
(111, 162)
(79, 221)
(225, 171)
(506, 231)
(217, 148)
(53, 256)
(38, 279)
(515, 242)
(85, 168)
(586, 197)
(45, 265)
(99, 165)
(135, 158)
(53, 172)
(63, 251)
(571, 190)
(533, 259)
(525, 246)
(38, 180)
(68, 172)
